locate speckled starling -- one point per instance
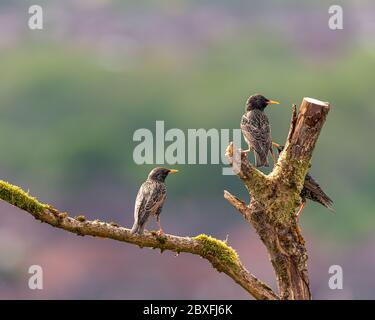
(311, 190)
(256, 129)
(150, 199)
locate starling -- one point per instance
(311, 190)
(256, 129)
(150, 199)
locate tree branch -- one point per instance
(222, 257)
(293, 122)
(249, 174)
(238, 204)
(276, 197)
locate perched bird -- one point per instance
(311, 190)
(150, 199)
(256, 129)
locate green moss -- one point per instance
(218, 248)
(19, 198)
(301, 167)
(281, 207)
(257, 184)
(80, 218)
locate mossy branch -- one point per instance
(253, 179)
(276, 197)
(222, 257)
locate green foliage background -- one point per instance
(72, 95)
(66, 122)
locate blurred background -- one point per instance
(72, 95)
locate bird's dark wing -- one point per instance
(312, 190)
(257, 132)
(150, 197)
(140, 214)
(156, 198)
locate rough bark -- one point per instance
(275, 199)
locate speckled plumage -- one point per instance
(312, 191)
(150, 199)
(256, 129)
(257, 133)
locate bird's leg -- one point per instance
(276, 145)
(300, 210)
(248, 150)
(161, 231)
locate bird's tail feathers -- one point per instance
(327, 202)
(261, 160)
(136, 229)
(330, 207)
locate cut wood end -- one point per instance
(316, 101)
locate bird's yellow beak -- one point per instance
(173, 171)
(273, 102)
